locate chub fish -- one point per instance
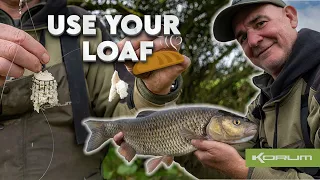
(168, 133)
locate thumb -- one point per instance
(118, 138)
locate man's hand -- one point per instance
(26, 52)
(118, 138)
(158, 81)
(213, 154)
(222, 157)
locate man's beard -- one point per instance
(282, 64)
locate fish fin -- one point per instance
(145, 113)
(187, 133)
(152, 164)
(127, 151)
(97, 137)
(167, 160)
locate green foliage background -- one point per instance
(219, 73)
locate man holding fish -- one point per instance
(287, 108)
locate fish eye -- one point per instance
(236, 122)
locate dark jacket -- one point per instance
(282, 95)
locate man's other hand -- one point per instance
(221, 156)
(118, 138)
(158, 81)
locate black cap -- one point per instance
(222, 27)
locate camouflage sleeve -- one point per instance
(98, 76)
(140, 97)
(269, 173)
(192, 165)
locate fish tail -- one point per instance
(100, 133)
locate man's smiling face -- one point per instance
(266, 33)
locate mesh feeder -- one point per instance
(44, 90)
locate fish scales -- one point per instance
(167, 133)
(159, 133)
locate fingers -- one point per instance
(19, 56)
(184, 65)
(27, 42)
(160, 42)
(15, 71)
(2, 80)
(163, 43)
(169, 43)
(201, 155)
(129, 65)
(164, 76)
(204, 145)
(135, 41)
(118, 138)
(172, 72)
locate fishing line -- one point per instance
(5, 81)
(52, 154)
(52, 137)
(31, 20)
(14, 57)
(7, 76)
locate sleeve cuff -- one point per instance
(250, 172)
(270, 173)
(142, 97)
(264, 173)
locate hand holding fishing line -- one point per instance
(18, 51)
(21, 51)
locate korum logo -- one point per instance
(282, 157)
(262, 158)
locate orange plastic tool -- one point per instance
(158, 60)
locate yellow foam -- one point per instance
(158, 60)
